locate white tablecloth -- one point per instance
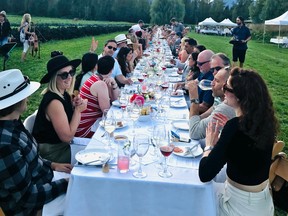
(92, 192)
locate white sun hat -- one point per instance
(120, 38)
(15, 87)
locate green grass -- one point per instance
(269, 60)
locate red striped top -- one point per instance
(93, 111)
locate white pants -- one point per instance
(25, 46)
(236, 202)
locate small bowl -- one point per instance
(120, 139)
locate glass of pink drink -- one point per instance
(123, 163)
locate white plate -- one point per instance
(87, 156)
(116, 103)
(174, 79)
(178, 104)
(118, 125)
(173, 75)
(179, 93)
(196, 152)
(181, 124)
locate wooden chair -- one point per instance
(1, 212)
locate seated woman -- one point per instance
(89, 67)
(194, 69)
(125, 59)
(58, 115)
(26, 179)
(245, 145)
(100, 89)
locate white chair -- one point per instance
(29, 121)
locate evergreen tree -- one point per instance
(162, 11)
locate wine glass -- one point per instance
(141, 146)
(160, 138)
(123, 100)
(205, 84)
(166, 151)
(134, 113)
(109, 123)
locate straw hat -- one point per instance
(120, 38)
(15, 87)
(55, 64)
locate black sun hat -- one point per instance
(55, 64)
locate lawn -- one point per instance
(269, 60)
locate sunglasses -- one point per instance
(65, 75)
(202, 63)
(111, 47)
(19, 88)
(217, 68)
(226, 88)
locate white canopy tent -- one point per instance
(280, 21)
(209, 22)
(227, 22)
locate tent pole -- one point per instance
(264, 33)
(279, 34)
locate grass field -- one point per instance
(269, 60)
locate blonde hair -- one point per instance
(26, 18)
(52, 86)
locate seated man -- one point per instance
(26, 178)
(221, 112)
(109, 48)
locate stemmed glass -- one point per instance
(141, 145)
(109, 123)
(134, 113)
(123, 100)
(160, 137)
(166, 150)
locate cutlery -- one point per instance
(103, 134)
(189, 150)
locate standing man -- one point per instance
(137, 27)
(241, 35)
(176, 26)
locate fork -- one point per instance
(189, 150)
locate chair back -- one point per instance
(29, 121)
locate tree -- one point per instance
(162, 11)
(217, 9)
(241, 8)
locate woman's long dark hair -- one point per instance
(89, 61)
(258, 118)
(121, 57)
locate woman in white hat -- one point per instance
(26, 179)
(58, 115)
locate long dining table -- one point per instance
(93, 192)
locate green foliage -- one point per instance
(162, 11)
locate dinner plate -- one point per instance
(119, 124)
(180, 104)
(116, 103)
(195, 152)
(178, 93)
(93, 156)
(173, 75)
(181, 124)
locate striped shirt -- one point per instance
(93, 111)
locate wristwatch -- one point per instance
(194, 100)
(208, 148)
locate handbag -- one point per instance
(278, 177)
